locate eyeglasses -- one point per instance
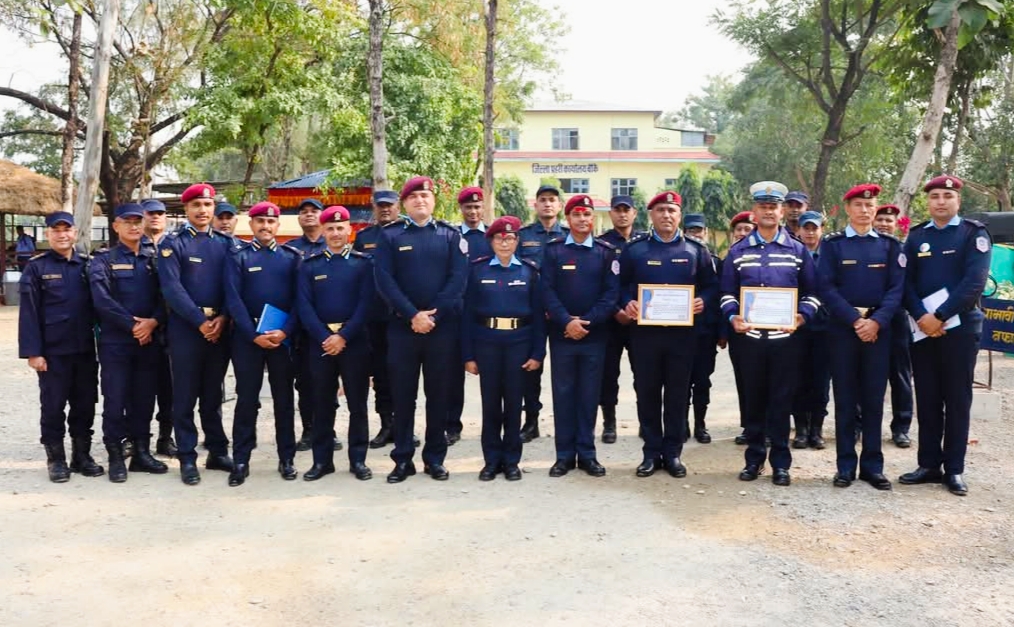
(505, 239)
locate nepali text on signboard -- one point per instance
(562, 168)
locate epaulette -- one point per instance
(315, 255)
(355, 253)
(101, 251)
(695, 240)
(235, 249)
(447, 224)
(921, 225)
(171, 235)
(395, 222)
(292, 249)
(891, 236)
(640, 237)
(531, 264)
(556, 240)
(481, 259)
(974, 222)
(835, 235)
(220, 233)
(794, 236)
(36, 256)
(605, 244)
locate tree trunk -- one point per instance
(829, 143)
(959, 132)
(927, 140)
(375, 73)
(487, 113)
(70, 129)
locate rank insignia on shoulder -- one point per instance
(166, 252)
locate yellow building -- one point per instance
(598, 149)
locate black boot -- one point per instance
(816, 439)
(700, 428)
(802, 431)
(117, 468)
(142, 461)
(385, 436)
(56, 463)
(530, 430)
(165, 445)
(81, 457)
(306, 440)
(609, 424)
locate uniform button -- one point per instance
(762, 285)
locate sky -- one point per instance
(651, 53)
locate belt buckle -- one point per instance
(502, 324)
(209, 312)
(334, 327)
(863, 311)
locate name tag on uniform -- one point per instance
(369, 246)
(948, 252)
(122, 266)
(528, 244)
(877, 265)
(404, 248)
(925, 254)
(654, 262)
(848, 262)
(568, 267)
(320, 277)
(52, 276)
(680, 260)
(512, 283)
(485, 281)
(254, 269)
(196, 260)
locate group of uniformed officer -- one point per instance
(416, 294)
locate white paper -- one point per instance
(931, 303)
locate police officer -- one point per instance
(769, 358)
(154, 232)
(385, 211)
(336, 289)
(191, 271)
(948, 264)
(796, 203)
(707, 326)
(862, 277)
(665, 355)
(809, 407)
(503, 337)
(225, 221)
(259, 276)
(740, 227)
(580, 288)
(532, 241)
(622, 214)
(473, 234)
(421, 271)
(902, 403)
(55, 335)
(131, 315)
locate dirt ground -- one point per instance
(705, 550)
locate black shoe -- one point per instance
(453, 438)
(816, 441)
(901, 439)
(560, 468)
(402, 471)
(384, 437)
(338, 444)
(166, 446)
(955, 485)
(740, 439)
(189, 473)
(81, 458)
(649, 466)
(841, 481)
(922, 475)
(530, 430)
(751, 472)
(592, 467)
(143, 461)
(701, 435)
(317, 471)
(512, 473)
(56, 463)
(219, 462)
(609, 424)
(489, 472)
(877, 480)
(287, 469)
(117, 469)
(304, 443)
(800, 441)
(361, 471)
(238, 474)
(676, 468)
(436, 471)
(781, 477)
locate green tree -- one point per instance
(642, 222)
(511, 199)
(688, 184)
(31, 138)
(708, 110)
(718, 200)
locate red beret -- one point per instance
(891, 209)
(666, 197)
(470, 194)
(581, 201)
(415, 184)
(944, 181)
(265, 208)
(200, 190)
(742, 216)
(336, 213)
(866, 190)
(503, 224)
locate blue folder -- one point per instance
(272, 319)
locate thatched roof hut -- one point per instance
(28, 193)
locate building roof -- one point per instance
(317, 179)
(28, 193)
(587, 105)
(675, 156)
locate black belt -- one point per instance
(504, 324)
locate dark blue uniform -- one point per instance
(664, 356)
(809, 407)
(768, 359)
(376, 326)
(191, 272)
(164, 384)
(532, 240)
(124, 285)
(900, 377)
(420, 268)
(859, 277)
(335, 296)
(708, 326)
(56, 321)
(509, 297)
(259, 275)
(301, 360)
(582, 281)
(955, 258)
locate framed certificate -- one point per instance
(769, 307)
(665, 305)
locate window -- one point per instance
(574, 186)
(623, 187)
(669, 184)
(565, 139)
(505, 139)
(692, 138)
(624, 139)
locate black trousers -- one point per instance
(351, 368)
(248, 362)
(859, 371)
(769, 378)
(198, 368)
(664, 358)
(700, 376)
(382, 402)
(619, 339)
(502, 383)
(70, 380)
(129, 385)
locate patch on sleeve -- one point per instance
(463, 246)
(982, 244)
(167, 251)
(902, 260)
(616, 266)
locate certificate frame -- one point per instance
(649, 289)
(791, 295)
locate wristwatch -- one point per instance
(938, 316)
